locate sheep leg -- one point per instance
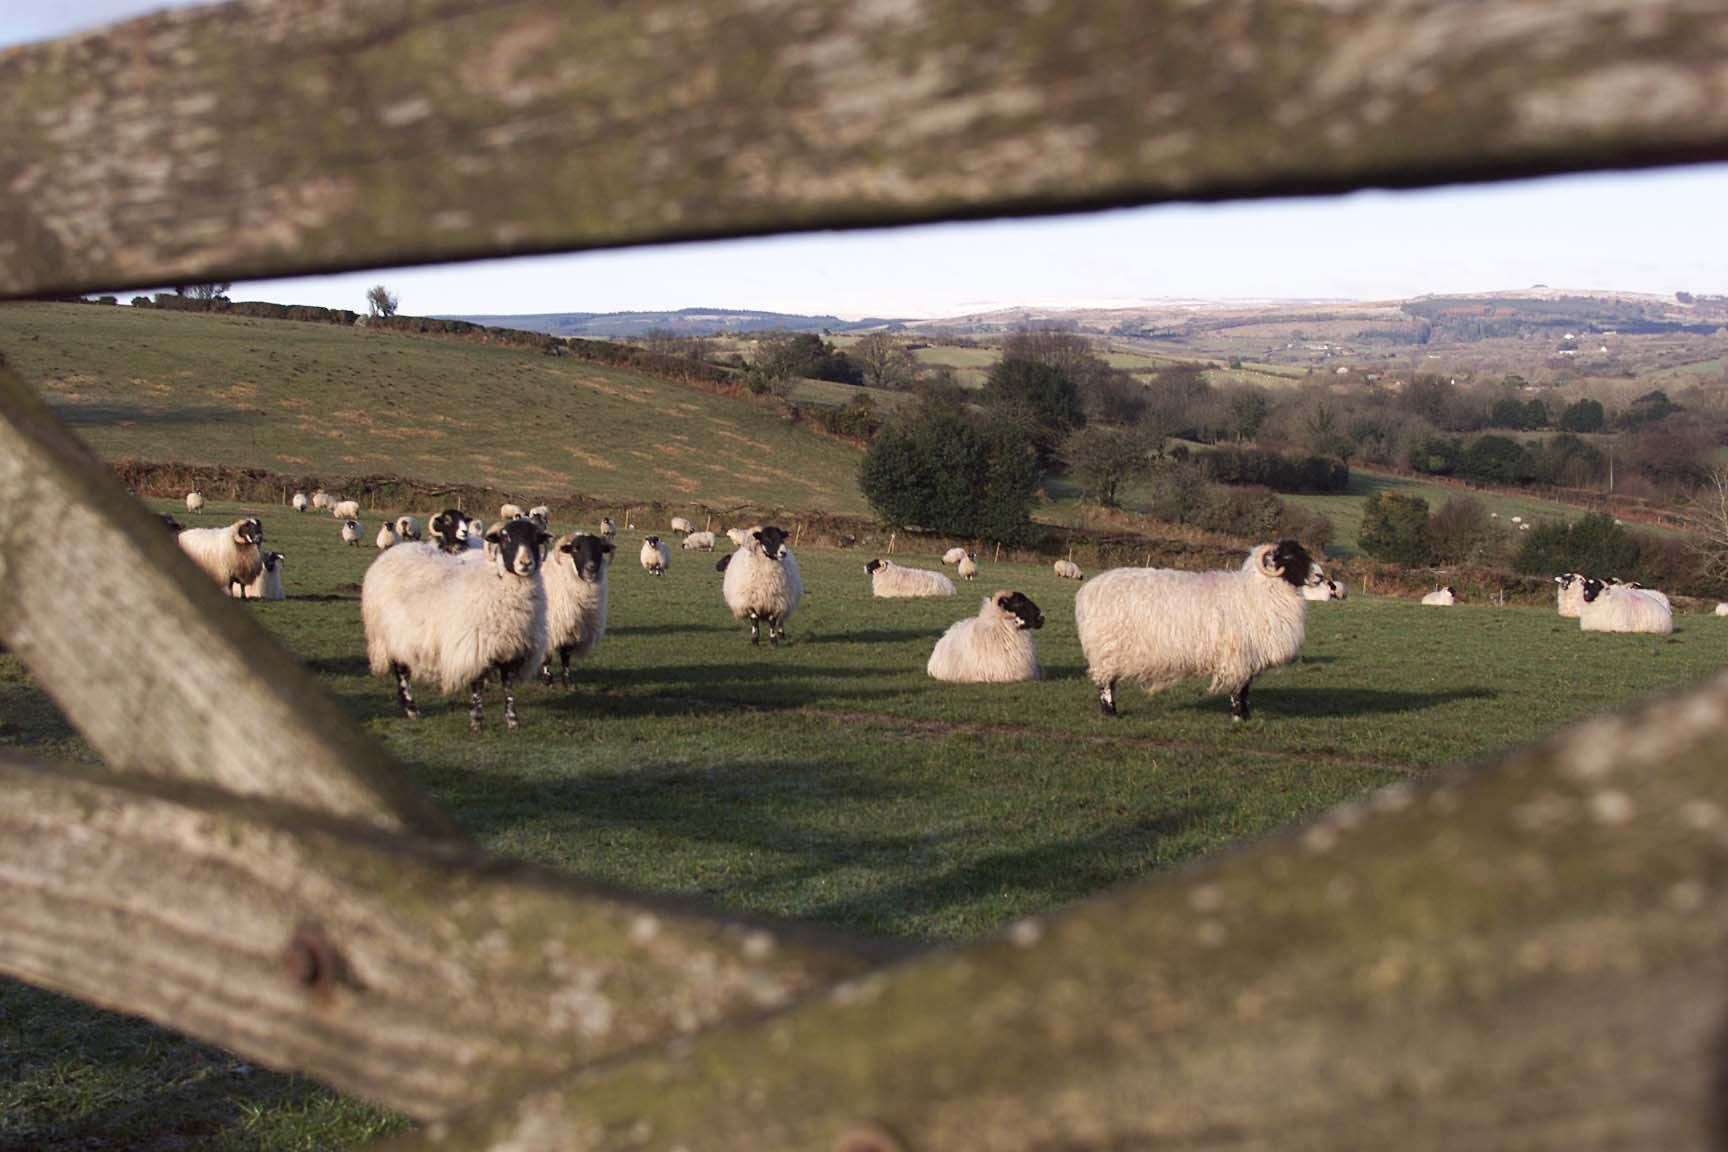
(476, 692)
(404, 693)
(564, 666)
(504, 672)
(1239, 701)
(776, 631)
(546, 671)
(755, 629)
(1107, 698)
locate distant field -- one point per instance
(313, 398)
(1345, 509)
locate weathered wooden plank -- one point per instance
(268, 138)
(1531, 957)
(419, 975)
(151, 663)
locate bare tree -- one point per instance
(886, 363)
(381, 300)
(1707, 516)
(203, 291)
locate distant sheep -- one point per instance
(1068, 570)
(1441, 597)
(762, 582)
(345, 509)
(681, 525)
(195, 502)
(268, 583)
(736, 535)
(351, 532)
(450, 531)
(607, 528)
(1624, 609)
(509, 512)
(953, 555)
(387, 537)
(993, 647)
(1325, 590)
(300, 502)
(408, 528)
(968, 568)
(455, 620)
(575, 575)
(1569, 595)
(1722, 609)
(1159, 626)
(231, 556)
(656, 557)
(890, 581)
(699, 542)
(321, 499)
(541, 515)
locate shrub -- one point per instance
(1583, 416)
(1437, 455)
(1592, 544)
(857, 419)
(1395, 528)
(1102, 458)
(1461, 532)
(1497, 460)
(1040, 400)
(1277, 472)
(1568, 462)
(942, 471)
(1259, 515)
(1179, 492)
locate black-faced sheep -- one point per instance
(607, 528)
(1569, 595)
(762, 583)
(194, 502)
(542, 516)
(656, 557)
(407, 528)
(993, 647)
(387, 536)
(967, 569)
(268, 584)
(699, 542)
(230, 555)
(1068, 570)
(890, 581)
(508, 512)
(1622, 608)
(575, 577)
(345, 509)
(954, 555)
(1441, 597)
(682, 526)
(1158, 626)
(300, 502)
(351, 532)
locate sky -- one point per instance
(1655, 231)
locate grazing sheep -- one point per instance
(953, 555)
(387, 537)
(268, 583)
(1068, 570)
(575, 577)
(682, 525)
(1569, 595)
(993, 647)
(450, 531)
(607, 528)
(457, 619)
(1159, 626)
(408, 528)
(1441, 597)
(656, 557)
(194, 502)
(968, 568)
(699, 542)
(762, 582)
(351, 532)
(321, 499)
(541, 515)
(230, 556)
(300, 502)
(509, 512)
(889, 581)
(1624, 609)
(736, 535)
(345, 509)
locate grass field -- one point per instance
(828, 780)
(313, 398)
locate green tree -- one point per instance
(1497, 460)
(1248, 410)
(1594, 545)
(885, 361)
(1583, 416)
(381, 301)
(940, 470)
(1038, 399)
(1395, 528)
(1103, 458)
(1461, 532)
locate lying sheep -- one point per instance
(968, 567)
(890, 581)
(1068, 570)
(575, 577)
(345, 509)
(656, 557)
(953, 555)
(300, 502)
(455, 620)
(387, 537)
(351, 530)
(509, 512)
(681, 525)
(1624, 609)
(268, 583)
(993, 647)
(1441, 597)
(1569, 595)
(231, 556)
(1325, 590)
(762, 582)
(408, 528)
(699, 542)
(1159, 626)
(321, 499)
(194, 502)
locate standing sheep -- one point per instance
(542, 516)
(345, 509)
(457, 619)
(1569, 595)
(607, 528)
(575, 599)
(408, 528)
(268, 583)
(387, 537)
(682, 526)
(351, 532)
(762, 583)
(320, 499)
(509, 512)
(968, 568)
(1441, 598)
(194, 502)
(300, 502)
(699, 542)
(889, 581)
(656, 557)
(1068, 570)
(230, 556)
(1159, 626)
(953, 555)
(993, 647)
(1624, 609)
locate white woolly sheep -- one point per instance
(607, 528)
(575, 575)
(656, 557)
(450, 531)
(1068, 570)
(1441, 598)
(509, 512)
(953, 555)
(993, 647)
(1569, 595)
(890, 581)
(387, 536)
(408, 528)
(762, 582)
(736, 535)
(1624, 609)
(1722, 609)
(968, 568)
(321, 499)
(1323, 591)
(300, 502)
(345, 509)
(541, 515)
(454, 620)
(267, 585)
(1159, 626)
(680, 524)
(699, 542)
(230, 556)
(194, 502)
(351, 530)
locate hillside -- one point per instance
(334, 401)
(679, 322)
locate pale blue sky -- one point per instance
(1655, 231)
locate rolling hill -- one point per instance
(681, 322)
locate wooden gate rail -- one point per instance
(266, 139)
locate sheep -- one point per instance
(388, 537)
(889, 581)
(1159, 626)
(993, 647)
(172, 524)
(345, 509)
(1722, 609)
(268, 583)
(541, 515)
(968, 568)
(1569, 595)
(607, 528)
(680, 524)
(656, 557)
(300, 502)
(1624, 609)
(953, 555)
(1068, 570)
(231, 555)
(450, 531)
(1325, 590)
(321, 499)
(575, 576)
(457, 619)
(762, 582)
(1441, 598)
(408, 528)
(194, 502)
(476, 535)
(509, 512)
(699, 541)
(736, 535)
(351, 532)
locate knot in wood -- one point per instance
(312, 960)
(867, 1138)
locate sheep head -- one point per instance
(1018, 607)
(1290, 562)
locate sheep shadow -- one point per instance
(1318, 703)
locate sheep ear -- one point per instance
(494, 537)
(1269, 564)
